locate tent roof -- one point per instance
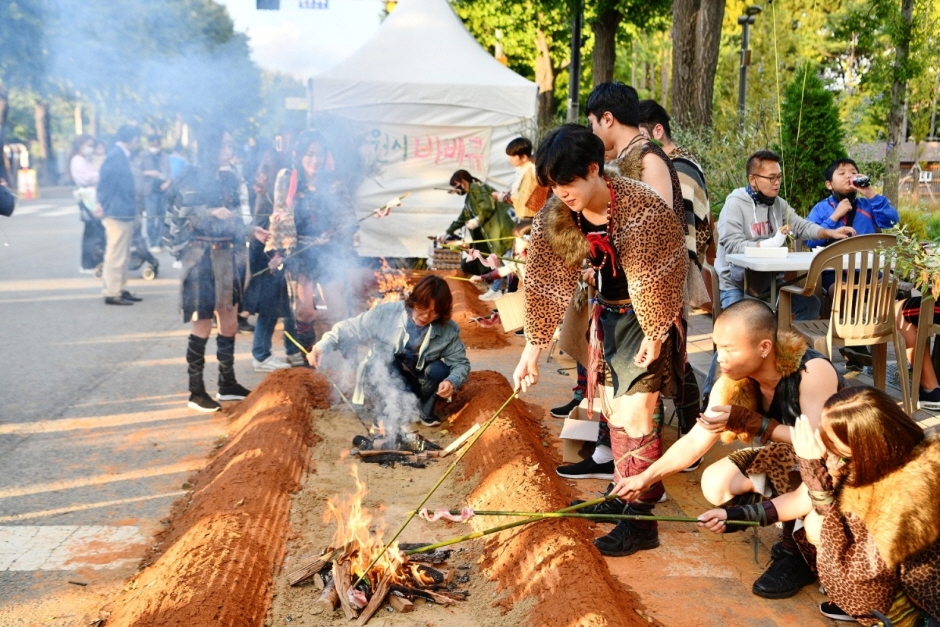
(423, 54)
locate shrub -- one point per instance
(914, 223)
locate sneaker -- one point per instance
(859, 356)
(520, 333)
(787, 574)
(117, 300)
(929, 400)
(626, 539)
(270, 364)
(587, 469)
(564, 410)
(131, 297)
(831, 610)
(233, 392)
(244, 325)
(82, 270)
(156, 250)
(297, 360)
(694, 465)
(203, 402)
(489, 295)
(663, 498)
(430, 421)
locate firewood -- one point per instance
(378, 453)
(400, 604)
(305, 571)
(329, 599)
(342, 579)
(378, 597)
(453, 446)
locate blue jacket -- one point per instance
(870, 216)
(117, 191)
(384, 327)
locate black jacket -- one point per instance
(116, 191)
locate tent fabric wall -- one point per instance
(429, 100)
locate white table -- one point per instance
(793, 262)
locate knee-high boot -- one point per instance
(229, 389)
(196, 363)
(631, 457)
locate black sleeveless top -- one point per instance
(611, 287)
(785, 405)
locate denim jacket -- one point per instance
(384, 326)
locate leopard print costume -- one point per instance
(881, 542)
(650, 248)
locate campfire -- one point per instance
(341, 569)
(391, 284)
(408, 449)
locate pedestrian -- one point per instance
(85, 175)
(414, 342)
(312, 230)
(871, 484)
(267, 294)
(208, 233)
(633, 241)
(154, 165)
(117, 204)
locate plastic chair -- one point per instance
(926, 328)
(863, 311)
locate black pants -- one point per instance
(422, 384)
(93, 243)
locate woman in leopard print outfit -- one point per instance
(871, 497)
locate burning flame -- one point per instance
(355, 529)
(391, 283)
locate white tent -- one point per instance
(432, 101)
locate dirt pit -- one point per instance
(213, 564)
(546, 573)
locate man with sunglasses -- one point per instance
(756, 216)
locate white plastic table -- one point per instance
(793, 262)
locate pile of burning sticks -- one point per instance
(408, 449)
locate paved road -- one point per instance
(95, 437)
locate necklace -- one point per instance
(600, 242)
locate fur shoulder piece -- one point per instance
(901, 511)
(746, 393)
(562, 234)
(629, 165)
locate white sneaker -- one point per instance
(156, 250)
(490, 295)
(663, 498)
(82, 270)
(296, 360)
(270, 364)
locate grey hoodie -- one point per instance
(743, 223)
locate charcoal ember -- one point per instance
(418, 443)
(431, 557)
(463, 578)
(362, 442)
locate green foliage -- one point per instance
(914, 222)
(915, 262)
(933, 226)
(811, 138)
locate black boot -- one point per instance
(229, 389)
(196, 360)
(787, 574)
(613, 506)
(630, 536)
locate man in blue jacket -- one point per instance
(117, 197)
(851, 204)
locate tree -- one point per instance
(696, 37)
(812, 138)
(605, 20)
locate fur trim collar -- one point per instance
(563, 234)
(746, 393)
(901, 511)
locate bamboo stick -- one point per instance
(447, 472)
(744, 523)
(329, 380)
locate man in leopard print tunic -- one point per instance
(767, 380)
(635, 244)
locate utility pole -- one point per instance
(745, 21)
(574, 68)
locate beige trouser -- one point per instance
(116, 255)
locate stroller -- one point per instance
(140, 257)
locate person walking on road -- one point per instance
(117, 200)
(85, 176)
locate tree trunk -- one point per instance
(664, 79)
(48, 172)
(902, 46)
(545, 79)
(605, 45)
(696, 35)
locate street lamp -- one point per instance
(745, 21)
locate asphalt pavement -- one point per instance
(96, 441)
